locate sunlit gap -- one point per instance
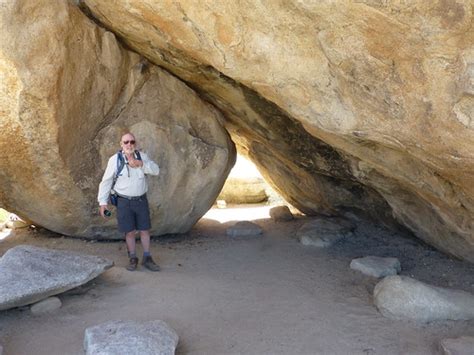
(238, 213)
(244, 183)
(5, 217)
(5, 234)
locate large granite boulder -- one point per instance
(362, 105)
(30, 274)
(68, 91)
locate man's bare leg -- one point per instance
(130, 240)
(145, 239)
(131, 247)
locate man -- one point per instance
(133, 213)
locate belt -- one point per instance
(132, 198)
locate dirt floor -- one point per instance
(259, 295)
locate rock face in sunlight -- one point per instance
(343, 106)
(68, 90)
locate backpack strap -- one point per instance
(120, 164)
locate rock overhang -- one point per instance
(348, 108)
(365, 82)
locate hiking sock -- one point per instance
(146, 253)
(132, 255)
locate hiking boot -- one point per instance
(150, 264)
(133, 264)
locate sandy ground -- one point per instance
(259, 295)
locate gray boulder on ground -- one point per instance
(281, 213)
(376, 266)
(45, 306)
(324, 232)
(457, 346)
(401, 297)
(131, 338)
(33, 273)
(243, 229)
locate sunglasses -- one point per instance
(126, 142)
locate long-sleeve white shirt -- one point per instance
(130, 182)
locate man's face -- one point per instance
(128, 143)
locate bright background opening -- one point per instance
(245, 195)
(4, 231)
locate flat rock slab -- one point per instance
(401, 297)
(131, 338)
(244, 229)
(281, 214)
(324, 232)
(457, 346)
(31, 274)
(376, 266)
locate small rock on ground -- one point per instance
(376, 266)
(324, 232)
(401, 297)
(457, 346)
(243, 229)
(131, 338)
(45, 306)
(323, 241)
(281, 214)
